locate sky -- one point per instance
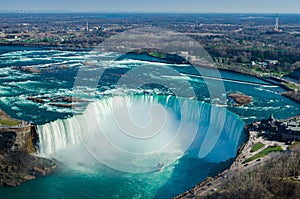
(198, 6)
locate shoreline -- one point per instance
(167, 60)
(214, 180)
(49, 47)
(241, 164)
(238, 158)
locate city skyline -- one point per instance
(188, 6)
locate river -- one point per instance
(209, 133)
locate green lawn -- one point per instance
(8, 122)
(264, 153)
(291, 86)
(158, 55)
(279, 74)
(257, 146)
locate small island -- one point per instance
(240, 99)
(60, 101)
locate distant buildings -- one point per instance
(265, 63)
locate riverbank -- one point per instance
(290, 87)
(256, 152)
(17, 168)
(154, 55)
(293, 95)
(48, 47)
(262, 98)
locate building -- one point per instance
(276, 27)
(288, 130)
(292, 131)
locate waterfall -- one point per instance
(136, 131)
(59, 134)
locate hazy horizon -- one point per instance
(154, 6)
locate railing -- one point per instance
(20, 125)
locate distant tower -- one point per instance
(87, 26)
(276, 28)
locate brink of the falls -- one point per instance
(134, 133)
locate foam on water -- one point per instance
(65, 139)
(264, 88)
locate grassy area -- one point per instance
(278, 74)
(264, 153)
(257, 69)
(293, 145)
(277, 178)
(291, 86)
(8, 122)
(257, 146)
(158, 55)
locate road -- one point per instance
(237, 167)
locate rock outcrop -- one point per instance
(3, 114)
(61, 101)
(28, 69)
(63, 105)
(68, 99)
(17, 147)
(17, 138)
(18, 167)
(36, 99)
(294, 95)
(240, 99)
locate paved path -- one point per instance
(205, 188)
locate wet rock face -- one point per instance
(17, 143)
(17, 165)
(17, 168)
(7, 140)
(17, 139)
